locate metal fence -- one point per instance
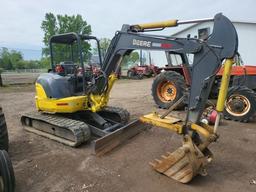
(21, 76)
(25, 71)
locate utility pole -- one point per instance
(141, 62)
(1, 81)
(149, 57)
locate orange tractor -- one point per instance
(175, 81)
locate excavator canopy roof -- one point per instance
(70, 38)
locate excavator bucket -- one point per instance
(184, 163)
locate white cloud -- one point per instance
(21, 19)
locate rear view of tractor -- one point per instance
(241, 99)
(175, 81)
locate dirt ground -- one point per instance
(44, 165)
(19, 78)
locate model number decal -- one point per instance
(141, 43)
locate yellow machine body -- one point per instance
(92, 102)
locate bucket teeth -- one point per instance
(164, 157)
(152, 164)
(183, 164)
(158, 161)
(167, 161)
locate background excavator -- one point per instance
(73, 105)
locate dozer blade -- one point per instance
(114, 139)
(184, 163)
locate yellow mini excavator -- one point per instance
(72, 100)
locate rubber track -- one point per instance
(123, 114)
(78, 128)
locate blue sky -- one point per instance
(21, 19)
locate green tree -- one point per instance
(9, 59)
(16, 60)
(104, 44)
(134, 57)
(49, 26)
(45, 63)
(58, 24)
(5, 62)
(130, 59)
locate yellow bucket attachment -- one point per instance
(184, 163)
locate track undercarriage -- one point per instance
(77, 128)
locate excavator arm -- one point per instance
(123, 43)
(220, 48)
(208, 55)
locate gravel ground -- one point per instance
(44, 165)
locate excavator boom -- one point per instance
(190, 159)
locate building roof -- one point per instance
(193, 25)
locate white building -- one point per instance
(246, 35)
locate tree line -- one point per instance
(12, 60)
(52, 25)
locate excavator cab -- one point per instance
(71, 50)
(70, 58)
